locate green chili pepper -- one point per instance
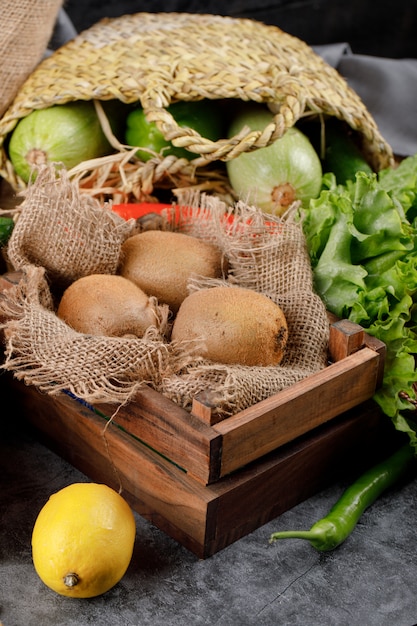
(6, 227)
(332, 530)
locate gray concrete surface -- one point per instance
(371, 580)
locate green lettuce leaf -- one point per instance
(401, 184)
(362, 240)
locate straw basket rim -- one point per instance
(155, 59)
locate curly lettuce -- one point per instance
(362, 240)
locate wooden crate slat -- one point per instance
(172, 431)
(298, 409)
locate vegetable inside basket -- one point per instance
(156, 59)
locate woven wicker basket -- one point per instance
(159, 58)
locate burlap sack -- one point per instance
(265, 253)
(26, 27)
(67, 233)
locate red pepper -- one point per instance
(139, 209)
(136, 210)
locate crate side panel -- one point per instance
(170, 430)
(297, 410)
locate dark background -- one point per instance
(383, 28)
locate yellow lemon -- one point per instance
(82, 540)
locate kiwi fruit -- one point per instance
(107, 304)
(232, 325)
(161, 263)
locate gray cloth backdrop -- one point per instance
(388, 87)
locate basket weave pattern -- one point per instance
(160, 58)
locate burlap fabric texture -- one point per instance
(267, 255)
(156, 59)
(25, 29)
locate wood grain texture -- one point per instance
(204, 519)
(211, 452)
(172, 431)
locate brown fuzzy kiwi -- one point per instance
(162, 262)
(232, 325)
(105, 304)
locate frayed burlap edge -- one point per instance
(65, 231)
(43, 351)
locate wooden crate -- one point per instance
(209, 450)
(209, 483)
(204, 518)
